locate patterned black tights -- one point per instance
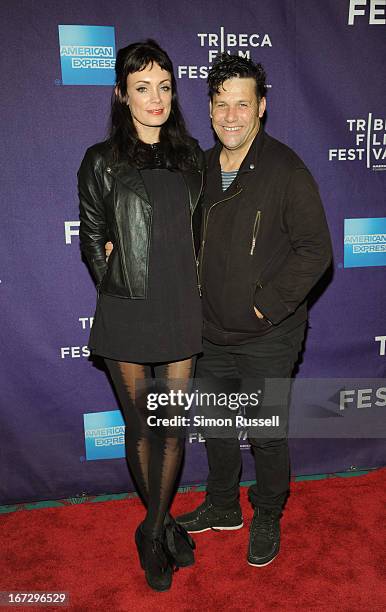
(153, 455)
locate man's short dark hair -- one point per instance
(228, 66)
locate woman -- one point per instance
(140, 189)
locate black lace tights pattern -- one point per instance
(153, 454)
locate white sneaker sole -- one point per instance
(262, 564)
(233, 528)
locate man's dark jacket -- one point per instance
(265, 243)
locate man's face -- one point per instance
(236, 113)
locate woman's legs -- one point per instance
(153, 454)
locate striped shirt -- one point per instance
(227, 178)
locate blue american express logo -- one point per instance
(87, 54)
(364, 242)
(104, 435)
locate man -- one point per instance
(265, 243)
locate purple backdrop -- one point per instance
(323, 71)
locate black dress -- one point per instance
(167, 325)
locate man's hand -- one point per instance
(108, 249)
(257, 312)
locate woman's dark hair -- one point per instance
(178, 147)
(228, 66)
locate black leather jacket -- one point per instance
(114, 206)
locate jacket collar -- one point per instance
(131, 178)
(252, 158)
(194, 181)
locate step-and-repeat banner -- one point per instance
(61, 432)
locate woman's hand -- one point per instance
(108, 249)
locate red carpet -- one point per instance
(332, 558)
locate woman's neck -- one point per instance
(148, 135)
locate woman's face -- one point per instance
(149, 97)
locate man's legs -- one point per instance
(267, 358)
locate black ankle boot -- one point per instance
(155, 560)
(179, 543)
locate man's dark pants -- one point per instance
(264, 358)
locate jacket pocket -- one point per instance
(113, 282)
(239, 314)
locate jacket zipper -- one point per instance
(206, 224)
(191, 232)
(194, 255)
(255, 231)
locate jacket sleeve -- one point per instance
(310, 253)
(92, 231)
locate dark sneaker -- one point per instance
(207, 516)
(264, 537)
